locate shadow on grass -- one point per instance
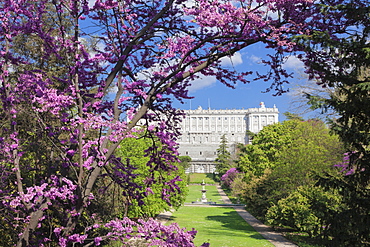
(220, 226)
(234, 224)
(231, 225)
(214, 194)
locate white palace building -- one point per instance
(202, 130)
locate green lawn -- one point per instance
(198, 178)
(195, 194)
(219, 226)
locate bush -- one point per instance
(228, 178)
(305, 210)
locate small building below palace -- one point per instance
(202, 130)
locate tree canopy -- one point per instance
(285, 156)
(132, 151)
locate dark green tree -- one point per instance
(344, 63)
(223, 160)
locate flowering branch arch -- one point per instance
(61, 122)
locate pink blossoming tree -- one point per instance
(65, 110)
(228, 178)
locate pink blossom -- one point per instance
(97, 240)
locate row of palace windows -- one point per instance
(219, 128)
(206, 139)
(227, 118)
(214, 118)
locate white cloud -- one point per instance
(293, 63)
(190, 3)
(202, 82)
(205, 81)
(91, 3)
(234, 60)
(255, 59)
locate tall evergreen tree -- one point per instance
(223, 160)
(343, 63)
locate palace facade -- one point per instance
(202, 130)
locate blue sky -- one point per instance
(209, 92)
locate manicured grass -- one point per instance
(198, 178)
(195, 194)
(219, 226)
